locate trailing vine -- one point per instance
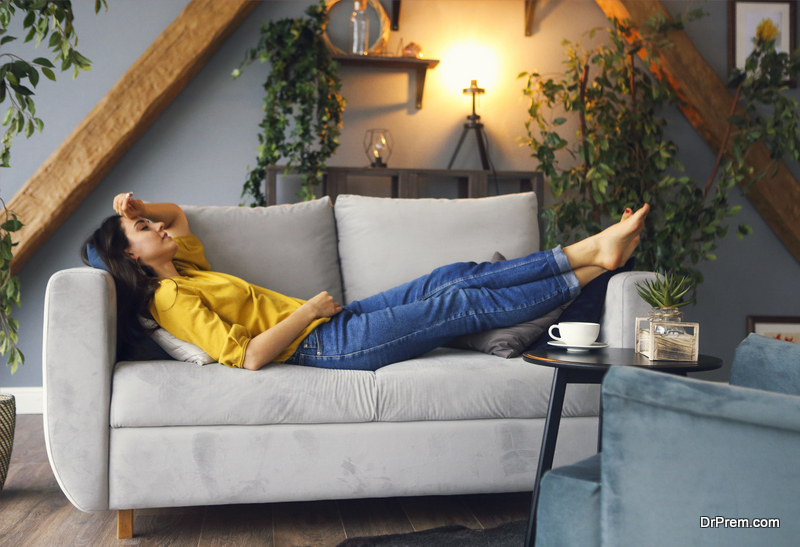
(302, 108)
(42, 18)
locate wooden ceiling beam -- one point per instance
(707, 104)
(78, 165)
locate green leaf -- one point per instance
(11, 225)
(41, 61)
(29, 19)
(29, 129)
(49, 74)
(7, 39)
(9, 115)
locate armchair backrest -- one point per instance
(765, 363)
(677, 449)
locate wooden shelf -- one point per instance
(421, 66)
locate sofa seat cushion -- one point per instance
(445, 384)
(454, 384)
(173, 393)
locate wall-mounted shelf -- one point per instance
(421, 66)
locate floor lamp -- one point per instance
(473, 124)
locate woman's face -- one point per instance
(149, 243)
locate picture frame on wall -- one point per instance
(775, 326)
(745, 16)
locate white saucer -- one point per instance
(577, 349)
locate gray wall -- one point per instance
(198, 151)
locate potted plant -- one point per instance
(665, 295)
(40, 19)
(302, 100)
(621, 156)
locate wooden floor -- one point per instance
(35, 513)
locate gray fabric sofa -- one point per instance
(129, 435)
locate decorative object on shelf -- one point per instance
(413, 49)
(473, 124)
(359, 28)
(378, 144)
(8, 419)
(744, 18)
(623, 154)
(303, 107)
(774, 326)
(666, 337)
(383, 27)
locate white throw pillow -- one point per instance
(177, 349)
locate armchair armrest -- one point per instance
(622, 306)
(677, 449)
(79, 352)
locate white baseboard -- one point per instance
(29, 400)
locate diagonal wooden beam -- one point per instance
(78, 165)
(707, 104)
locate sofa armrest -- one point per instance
(79, 352)
(622, 306)
(679, 449)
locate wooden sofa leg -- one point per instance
(125, 524)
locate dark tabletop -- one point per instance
(599, 359)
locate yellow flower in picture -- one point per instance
(766, 31)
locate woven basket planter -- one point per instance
(8, 419)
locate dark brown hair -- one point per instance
(136, 284)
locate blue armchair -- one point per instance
(681, 455)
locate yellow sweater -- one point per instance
(219, 312)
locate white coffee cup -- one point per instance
(576, 334)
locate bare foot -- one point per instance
(617, 243)
(612, 247)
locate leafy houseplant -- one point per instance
(302, 99)
(622, 158)
(41, 18)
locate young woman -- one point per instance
(160, 270)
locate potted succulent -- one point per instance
(665, 295)
(41, 18)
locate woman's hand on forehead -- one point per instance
(124, 205)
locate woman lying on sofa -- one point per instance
(160, 270)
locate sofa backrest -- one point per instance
(386, 242)
(290, 249)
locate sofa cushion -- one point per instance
(453, 384)
(290, 249)
(509, 341)
(172, 393)
(386, 242)
(445, 384)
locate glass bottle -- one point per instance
(359, 28)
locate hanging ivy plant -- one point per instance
(302, 108)
(41, 18)
(621, 156)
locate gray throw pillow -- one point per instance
(509, 341)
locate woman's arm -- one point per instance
(173, 217)
(265, 347)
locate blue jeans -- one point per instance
(416, 317)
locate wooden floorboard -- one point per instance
(35, 513)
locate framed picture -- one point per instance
(778, 327)
(744, 18)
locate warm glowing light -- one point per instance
(468, 61)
